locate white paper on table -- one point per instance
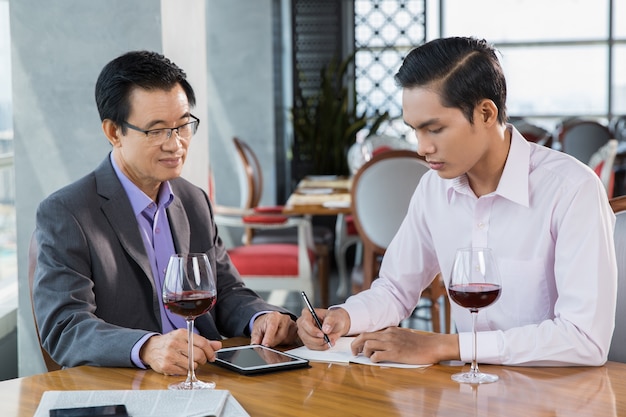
(342, 353)
(140, 403)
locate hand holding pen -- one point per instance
(315, 318)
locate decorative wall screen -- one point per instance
(385, 31)
(317, 39)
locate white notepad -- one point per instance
(342, 353)
(144, 403)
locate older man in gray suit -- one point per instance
(104, 241)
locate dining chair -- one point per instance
(346, 233)
(617, 126)
(272, 266)
(51, 365)
(617, 351)
(581, 137)
(381, 192)
(532, 132)
(603, 164)
(323, 236)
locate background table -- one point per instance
(361, 390)
(300, 203)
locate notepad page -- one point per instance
(153, 403)
(341, 352)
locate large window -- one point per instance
(561, 57)
(8, 256)
(384, 32)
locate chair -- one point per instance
(273, 266)
(381, 191)
(617, 351)
(51, 365)
(322, 236)
(581, 138)
(532, 133)
(346, 234)
(617, 126)
(602, 162)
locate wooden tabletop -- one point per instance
(320, 197)
(362, 390)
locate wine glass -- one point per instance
(474, 284)
(189, 291)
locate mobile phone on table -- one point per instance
(102, 410)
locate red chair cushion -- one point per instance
(381, 149)
(271, 259)
(264, 218)
(269, 209)
(350, 226)
(598, 170)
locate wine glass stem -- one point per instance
(474, 367)
(191, 374)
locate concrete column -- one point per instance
(240, 93)
(58, 50)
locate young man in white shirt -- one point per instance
(545, 215)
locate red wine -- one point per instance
(190, 303)
(474, 295)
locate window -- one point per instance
(384, 32)
(8, 255)
(557, 55)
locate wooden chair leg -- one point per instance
(323, 268)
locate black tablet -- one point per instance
(256, 359)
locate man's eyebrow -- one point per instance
(423, 124)
(427, 123)
(156, 122)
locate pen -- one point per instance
(317, 319)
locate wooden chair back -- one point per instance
(617, 351)
(581, 138)
(51, 365)
(381, 191)
(254, 174)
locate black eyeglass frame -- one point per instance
(195, 121)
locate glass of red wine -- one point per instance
(189, 290)
(474, 284)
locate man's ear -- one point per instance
(486, 112)
(112, 132)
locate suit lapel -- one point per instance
(179, 223)
(120, 214)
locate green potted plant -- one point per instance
(325, 124)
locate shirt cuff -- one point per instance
(134, 353)
(260, 313)
(488, 347)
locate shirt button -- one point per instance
(481, 225)
(157, 230)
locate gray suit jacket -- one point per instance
(94, 293)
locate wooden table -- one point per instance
(360, 390)
(336, 202)
(303, 203)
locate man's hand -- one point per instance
(167, 354)
(395, 344)
(272, 329)
(335, 323)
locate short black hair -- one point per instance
(464, 71)
(136, 69)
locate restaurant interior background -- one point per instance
(248, 60)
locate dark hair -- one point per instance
(136, 69)
(463, 70)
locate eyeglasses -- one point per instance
(157, 137)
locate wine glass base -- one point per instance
(185, 385)
(474, 378)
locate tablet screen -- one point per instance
(257, 358)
